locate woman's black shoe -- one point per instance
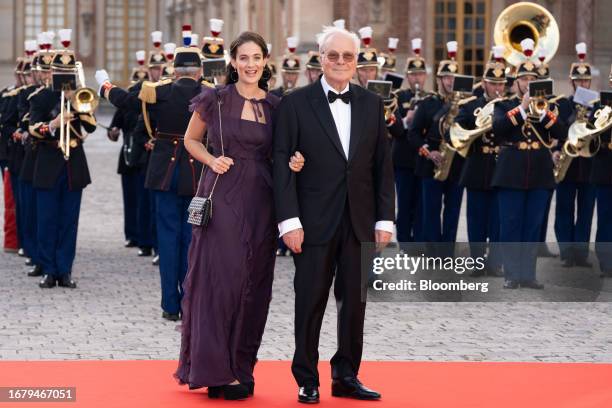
(251, 387)
(230, 392)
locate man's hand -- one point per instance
(113, 133)
(294, 240)
(408, 118)
(102, 76)
(382, 239)
(436, 157)
(525, 101)
(556, 156)
(296, 162)
(56, 123)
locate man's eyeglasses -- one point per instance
(334, 56)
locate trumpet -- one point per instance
(538, 105)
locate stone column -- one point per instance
(359, 14)
(584, 23)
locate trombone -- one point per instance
(83, 100)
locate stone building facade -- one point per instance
(108, 32)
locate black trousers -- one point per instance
(315, 268)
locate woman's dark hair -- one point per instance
(245, 37)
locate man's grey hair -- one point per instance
(330, 32)
(187, 71)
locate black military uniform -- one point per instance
(291, 64)
(425, 135)
(59, 178)
(172, 173)
(524, 178)
(575, 201)
(407, 184)
(476, 175)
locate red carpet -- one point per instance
(132, 384)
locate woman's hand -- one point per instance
(296, 162)
(220, 164)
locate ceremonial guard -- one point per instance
(575, 200)
(59, 123)
(11, 154)
(475, 140)
(213, 49)
(525, 127)
(437, 165)
(367, 59)
(272, 68)
(132, 163)
(290, 70)
(171, 172)
(407, 184)
(601, 177)
(27, 196)
(313, 66)
(389, 57)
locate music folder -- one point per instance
(463, 83)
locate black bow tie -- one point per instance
(332, 96)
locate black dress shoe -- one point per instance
(353, 388)
(65, 281)
(171, 316)
(29, 262)
(308, 394)
(145, 251)
(230, 392)
(533, 284)
(21, 252)
(155, 260)
(47, 282)
(36, 271)
(583, 263)
(510, 284)
(130, 244)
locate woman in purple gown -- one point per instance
(228, 286)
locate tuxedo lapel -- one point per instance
(357, 116)
(321, 108)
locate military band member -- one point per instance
(214, 48)
(60, 173)
(290, 70)
(407, 184)
(10, 121)
(367, 59)
(172, 172)
(389, 57)
(272, 68)
(601, 177)
(27, 196)
(439, 225)
(482, 208)
(575, 200)
(313, 66)
(524, 173)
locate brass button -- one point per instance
(485, 149)
(190, 160)
(172, 158)
(175, 142)
(535, 145)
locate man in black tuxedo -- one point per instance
(343, 197)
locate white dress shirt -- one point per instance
(341, 112)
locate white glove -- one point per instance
(102, 76)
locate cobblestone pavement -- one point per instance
(115, 313)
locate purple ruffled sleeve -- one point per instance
(204, 103)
